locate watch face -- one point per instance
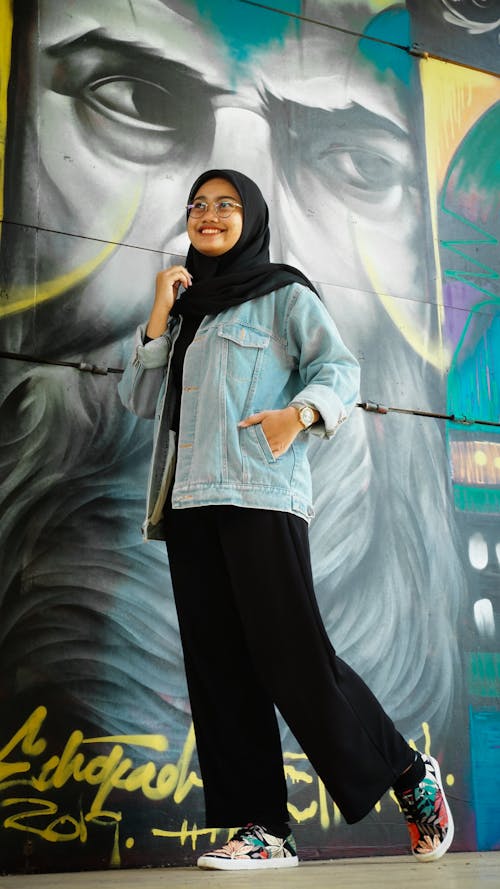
(307, 416)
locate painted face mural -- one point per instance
(113, 110)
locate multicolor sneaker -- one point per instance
(252, 848)
(428, 816)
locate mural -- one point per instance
(381, 174)
(462, 30)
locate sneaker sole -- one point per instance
(208, 863)
(445, 845)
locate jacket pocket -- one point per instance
(243, 350)
(263, 443)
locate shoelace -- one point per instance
(244, 831)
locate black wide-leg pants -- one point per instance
(253, 637)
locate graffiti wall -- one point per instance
(372, 128)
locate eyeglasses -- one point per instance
(222, 208)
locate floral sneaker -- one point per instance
(252, 848)
(428, 815)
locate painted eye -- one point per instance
(133, 105)
(353, 154)
(364, 169)
(143, 102)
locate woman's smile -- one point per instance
(209, 234)
(207, 230)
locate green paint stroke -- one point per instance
(245, 28)
(481, 500)
(484, 674)
(481, 143)
(475, 170)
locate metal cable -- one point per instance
(371, 407)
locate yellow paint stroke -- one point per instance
(324, 818)
(31, 745)
(155, 742)
(115, 860)
(379, 5)
(300, 815)
(296, 775)
(454, 99)
(394, 799)
(375, 5)
(185, 833)
(427, 738)
(42, 808)
(186, 777)
(432, 140)
(28, 297)
(6, 19)
(433, 353)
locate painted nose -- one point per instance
(242, 142)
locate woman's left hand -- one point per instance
(280, 428)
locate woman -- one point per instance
(239, 369)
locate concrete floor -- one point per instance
(461, 870)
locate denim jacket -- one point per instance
(260, 355)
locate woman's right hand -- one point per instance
(167, 285)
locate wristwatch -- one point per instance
(306, 413)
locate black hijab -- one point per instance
(244, 272)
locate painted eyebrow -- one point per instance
(137, 54)
(360, 118)
(357, 117)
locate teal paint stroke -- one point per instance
(474, 375)
(484, 501)
(388, 27)
(485, 773)
(484, 674)
(473, 183)
(244, 28)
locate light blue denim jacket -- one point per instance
(260, 355)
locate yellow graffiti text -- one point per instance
(109, 771)
(25, 763)
(63, 828)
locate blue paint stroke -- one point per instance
(485, 768)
